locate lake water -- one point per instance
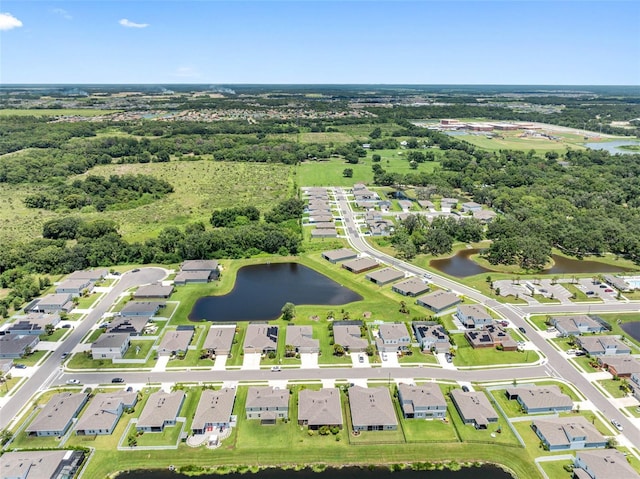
(632, 329)
(261, 290)
(484, 472)
(461, 265)
(613, 147)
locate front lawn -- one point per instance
(86, 302)
(417, 356)
(168, 437)
(468, 356)
(32, 359)
(55, 336)
(613, 387)
(138, 349)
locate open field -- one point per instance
(200, 187)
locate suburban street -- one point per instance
(556, 364)
(553, 364)
(50, 369)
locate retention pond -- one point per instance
(261, 290)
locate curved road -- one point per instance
(557, 365)
(48, 371)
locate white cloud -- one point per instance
(8, 21)
(129, 24)
(62, 13)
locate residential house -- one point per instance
(219, 339)
(431, 336)
(405, 205)
(197, 271)
(214, 410)
(104, 412)
(491, 336)
(133, 326)
(426, 204)
(349, 335)
(576, 325)
(110, 346)
(393, 337)
(372, 409)
(319, 217)
(142, 308)
(320, 408)
(33, 324)
(74, 287)
(447, 204)
(470, 207)
(473, 315)
(568, 433)
(438, 301)
(324, 233)
(606, 464)
(422, 402)
(411, 287)
(474, 408)
(540, 399)
(6, 365)
(13, 346)
(56, 417)
(155, 290)
(301, 338)
(602, 345)
(51, 303)
(261, 338)
(160, 411)
(620, 366)
(267, 404)
(385, 276)
(327, 225)
(40, 464)
(176, 341)
(336, 255)
(93, 275)
(485, 216)
(360, 265)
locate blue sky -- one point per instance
(415, 42)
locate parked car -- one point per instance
(73, 381)
(130, 389)
(20, 366)
(608, 290)
(66, 326)
(580, 353)
(589, 293)
(361, 358)
(465, 389)
(135, 270)
(117, 380)
(617, 425)
(522, 330)
(602, 286)
(448, 357)
(276, 369)
(384, 356)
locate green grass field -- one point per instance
(512, 141)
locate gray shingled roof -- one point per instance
(261, 336)
(267, 397)
(153, 290)
(439, 299)
(58, 412)
(320, 408)
(557, 431)
(111, 340)
(385, 275)
(348, 336)
(389, 331)
(146, 307)
(474, 406)
(541, 397)
(360, 264)
(301, 337)
(607, 464)
(199, 265)
(412, 286)
(99, 414)
(339, 254)
(220, 338)
(420, 397)
(176, 340)
(371, 407)
(160, 408)
(33, 464)
(215, 407)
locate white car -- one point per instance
(73, 381)
(617, 425)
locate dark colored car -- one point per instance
(465, 389)
(117, 380)
(522, 330)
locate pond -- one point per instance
(632, 328)
(613, 147)
(261, 290)
(461, 265)
(484, 472)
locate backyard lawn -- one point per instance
(468, 356)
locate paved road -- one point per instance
(557, 365)
(47, 372)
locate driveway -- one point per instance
(221, 362)
(355, 360)
(308, 360)
(251, 361)
(391, 360)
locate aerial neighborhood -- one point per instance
(313, 287)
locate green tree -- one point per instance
(347, 172)
(49, 329)
(288, 311)
(338, 350)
